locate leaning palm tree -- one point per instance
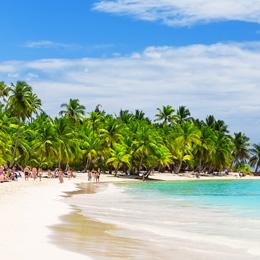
(255, 159)
(21, 105)
(73, 110)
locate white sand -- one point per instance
(27, 209)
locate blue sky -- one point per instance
(138, 54)
(89, 32)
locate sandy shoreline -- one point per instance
(28, 209)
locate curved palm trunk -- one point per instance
(257, 166)
(147, 174)
(178, 168)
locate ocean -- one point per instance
(180, 220)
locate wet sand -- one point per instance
(92, 238)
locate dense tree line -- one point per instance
(129, 142)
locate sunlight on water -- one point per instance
(201, 216)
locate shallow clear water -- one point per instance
(193, 220)
(238, 196)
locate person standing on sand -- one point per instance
(89, 175)
(69, 173)
(49, 174)
(60, 175)
(26, 173)
(40, 174)
(98, 175)
(93, 175)
(2, 175)
(34, 173)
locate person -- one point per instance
(89, 175)
(56, 173)
(60, 175)
(10, 175)
(98, 175)
(26, 173)
(69, 173)
(16, 173)
(93, 175)
(49, 174)
(40, 174)
(2, 175)
(34, 173)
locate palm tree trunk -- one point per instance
(178, 169)
(257, 166)
(87, 164)
(16, 140)
(140, 165)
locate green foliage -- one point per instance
(243, 168)
(129, 141)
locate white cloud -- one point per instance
(184, 12)
(45, 44)
(220, 79)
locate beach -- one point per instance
(43, 219)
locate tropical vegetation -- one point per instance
(129, 141)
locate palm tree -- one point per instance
(4, 90)
(211, 121)
(66, 145)
(144, 143)
(241, 148)
(164, 157)
(119, 157)
(125, 116)
(95, 118)
(222, 157)
(91, 148)
(110, 134)
(21, 104)
(139, 115)
(255, 159)
(166, 115)
(73, 110)
(221, 126)
(183, 114)
(218, 125)
(205, 150)
(183, 139)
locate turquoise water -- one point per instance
(237, 196)
(195, 219)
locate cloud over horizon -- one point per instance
(184, 12)
(219, 79)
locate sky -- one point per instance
(138, 54)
